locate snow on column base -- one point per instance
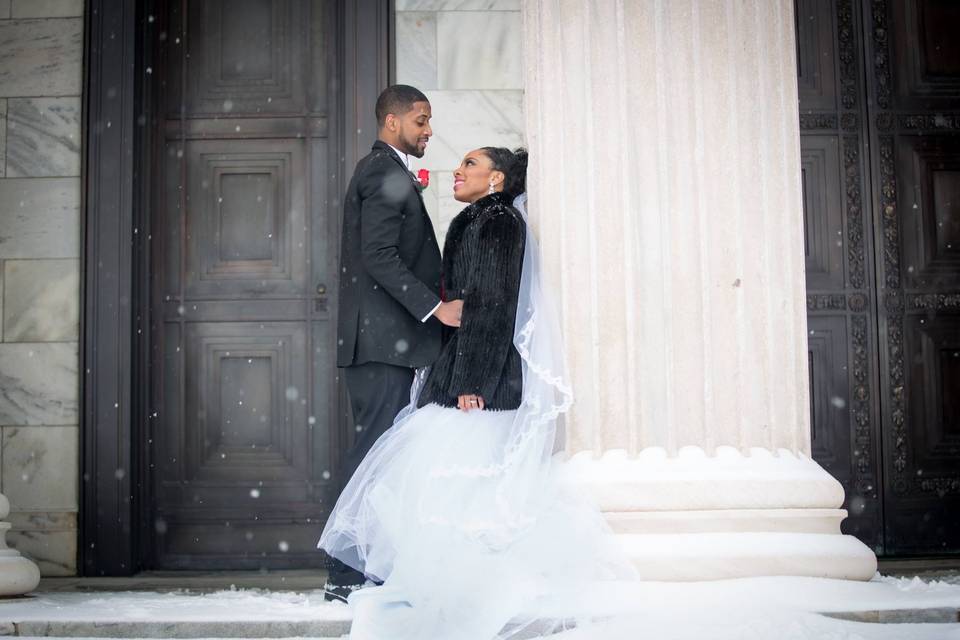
(730, 515)
(18, 575)
(727, 520)
(719, 556)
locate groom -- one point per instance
(390, 308)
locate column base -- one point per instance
(18, 575)
(722, 556)
(695, 517)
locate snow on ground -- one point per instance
(131, 606)
(775, 608)
(793, 593)
(759, 625)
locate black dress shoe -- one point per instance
(335, 592)
(342, 580)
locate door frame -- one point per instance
(114, 531)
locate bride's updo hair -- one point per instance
(513, 164)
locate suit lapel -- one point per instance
(383, 146)
(414, 182)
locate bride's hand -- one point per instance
(449, 312)
(467, 402)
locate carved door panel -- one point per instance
(914, 71)
(881, 194)
(243, 428)
(841, 314)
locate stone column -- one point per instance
(665, 190)
(18, 575)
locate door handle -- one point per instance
(320, 302)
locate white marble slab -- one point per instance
(41, 467)
(41, 57)
(440, 199)
(43, 137)
(3, 137)
(416, 44)
(36, 532)
(47, 8)
(1, 305)
(479, 50)
(43, 520)
(465, 120)
(39, 218)
(41, 300)
(429, 195)
(55, 552)
(458, 5)
(38, 383)
(449, 206)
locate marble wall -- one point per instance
(465, 55)
(41, 49)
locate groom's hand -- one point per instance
(467, 402)
(449, 312)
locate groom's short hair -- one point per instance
(397, 99)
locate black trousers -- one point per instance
(377, 392)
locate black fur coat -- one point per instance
(482, 260)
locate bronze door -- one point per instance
(914, 86)
(244, 227)
(880, 127)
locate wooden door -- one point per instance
(914, 85)
(841, 284)
(244, 440)
(880, 128)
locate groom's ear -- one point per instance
(390, 122)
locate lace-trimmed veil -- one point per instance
(546, 396)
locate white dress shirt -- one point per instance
(403, 156)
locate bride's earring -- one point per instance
(491, 189)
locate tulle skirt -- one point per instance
(463, 554)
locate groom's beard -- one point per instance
(412, 149)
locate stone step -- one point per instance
(937, 615)
(314, 629)
(178, 606)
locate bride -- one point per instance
(460, 509)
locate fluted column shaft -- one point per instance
(665, 191)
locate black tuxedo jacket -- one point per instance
(389, 268)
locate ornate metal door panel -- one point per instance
(243, 429)
(881, 185)
(914, 57)
(840, 285)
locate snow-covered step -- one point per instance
(316, 630)
(934, 615)
(222, 614)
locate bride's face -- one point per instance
(472, 179)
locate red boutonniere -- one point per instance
(424, 177)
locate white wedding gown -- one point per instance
(467, 519)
